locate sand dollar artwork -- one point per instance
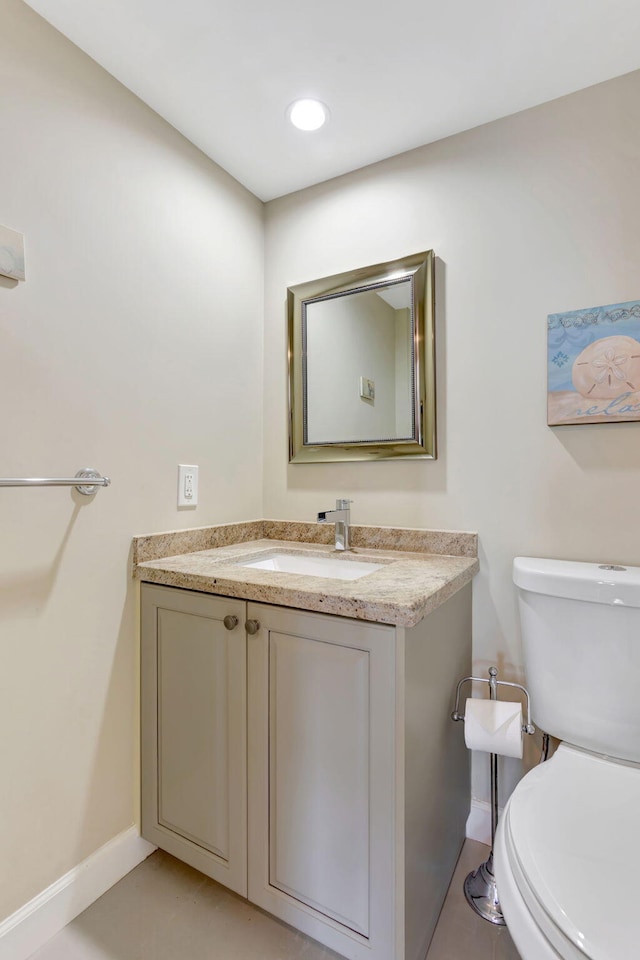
(593, 364)
(608, 368)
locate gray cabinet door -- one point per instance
(322, 794)
(193, 671)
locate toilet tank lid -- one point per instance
(574, 580)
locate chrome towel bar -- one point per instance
(87, 481)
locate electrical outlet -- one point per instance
(187, 485)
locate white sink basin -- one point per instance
(336, 569)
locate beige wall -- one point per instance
(530, 215)
(135, 344)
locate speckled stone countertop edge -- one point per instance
(408, 586)
(374, 612)
(191, 540)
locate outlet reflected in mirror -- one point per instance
(361, 364)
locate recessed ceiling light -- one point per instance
(308, 114)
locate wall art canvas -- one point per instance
(593, 361)
(11, 254)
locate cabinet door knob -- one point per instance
(252, 626)
(230, 622)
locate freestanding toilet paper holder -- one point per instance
(480, 885)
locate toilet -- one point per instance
(567, 849)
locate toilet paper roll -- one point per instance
(494, 726)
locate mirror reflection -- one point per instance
(362, 345)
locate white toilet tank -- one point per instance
(581, 637)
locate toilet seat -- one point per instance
(570, 839)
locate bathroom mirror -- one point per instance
(362, 365)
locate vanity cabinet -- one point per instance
(308, 761)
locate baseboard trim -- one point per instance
(26, 930)
(479, 822)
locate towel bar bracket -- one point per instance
(88, 489)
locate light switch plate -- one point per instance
(11, 254)
(367, 388)
(187, 485)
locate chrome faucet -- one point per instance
(341, 516)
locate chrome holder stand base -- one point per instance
(482, 896)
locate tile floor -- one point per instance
(164, 910)
(461, 934)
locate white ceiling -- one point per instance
(394, 75)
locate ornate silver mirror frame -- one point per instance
(316, 382)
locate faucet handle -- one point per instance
(343, 504)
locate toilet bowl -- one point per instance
(566, 859)
(567, 850)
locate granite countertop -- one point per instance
(419, 569)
